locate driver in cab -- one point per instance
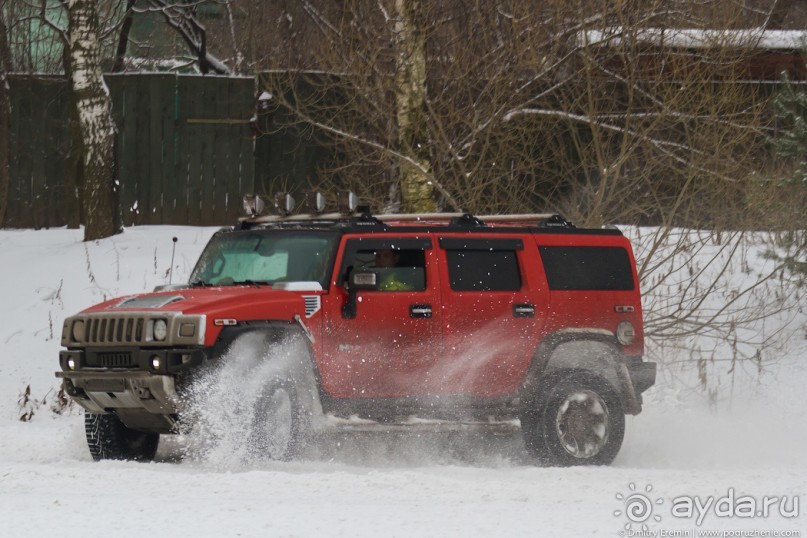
(388, 259)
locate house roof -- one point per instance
(693, 38)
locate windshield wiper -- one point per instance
(200, 284)
(250, 283)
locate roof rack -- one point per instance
(298, 217)
(448, 216)
(458, 219)
(466, 219)
(352, 212)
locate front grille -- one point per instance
(132, 330)
(111, 359)
(115, 330)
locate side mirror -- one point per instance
(357, 281)
(363, 280)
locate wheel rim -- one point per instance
(582, 424)
(278, 423)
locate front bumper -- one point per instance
(142, 400)
(123, 382)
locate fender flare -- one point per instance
(275, 332)
(591, 350)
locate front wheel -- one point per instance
(109, 439)
(278, 424)
(577, 421)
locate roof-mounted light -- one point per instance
(315, 202)
(253, 205)
(284, 204)
(348, 202)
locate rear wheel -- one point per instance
(577, 421)
(109, 439)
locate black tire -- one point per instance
(576, 420)
(109, 439)
(278, 424)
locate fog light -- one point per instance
(71, 364)
(155, 362)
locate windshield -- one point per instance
(265, 257)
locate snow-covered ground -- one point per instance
(729, 450)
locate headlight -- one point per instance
(77, 332)
(625, 333)
(160, 330)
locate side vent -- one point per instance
(312, 304)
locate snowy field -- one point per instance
(734, 453)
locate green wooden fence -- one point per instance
(38, 147)
(186, 153)
(185, 149)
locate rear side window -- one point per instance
(483, 265)
(587, 268)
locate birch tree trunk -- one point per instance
(93, 104)
(417, 191)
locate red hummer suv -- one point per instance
(404, 320)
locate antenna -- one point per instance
(171, 269)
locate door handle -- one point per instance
(420, 310)
(523, 310)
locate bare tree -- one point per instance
(123, 37)
(93, 105)
(182, 17)
(409, 39)
(44, 27)
(581, 107)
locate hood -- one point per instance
(237, 302)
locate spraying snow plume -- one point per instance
(222, 403)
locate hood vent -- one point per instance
(149, 301)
